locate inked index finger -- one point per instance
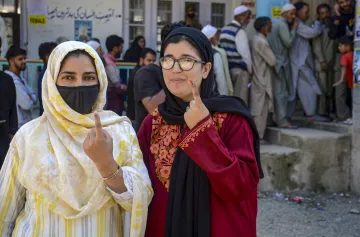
(196, 93)
(98, 125)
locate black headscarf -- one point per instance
(188, 210)
(133, 53)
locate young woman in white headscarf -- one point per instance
(76, 169)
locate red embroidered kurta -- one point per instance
(222, 146)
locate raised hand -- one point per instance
(337, 10)
(98, 144)
(196, 111)
(295, 25)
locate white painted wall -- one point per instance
(61, 21)
(33, 35)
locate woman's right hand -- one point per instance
(196, 111)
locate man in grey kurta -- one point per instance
(261, 95)
(280, 41)
(324, 56)
(305, 85)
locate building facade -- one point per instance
(31, 22)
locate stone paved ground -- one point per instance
(319, 215)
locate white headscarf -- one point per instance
(52, 163)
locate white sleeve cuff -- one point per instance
(126, 196)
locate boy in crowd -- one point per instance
(346, 63)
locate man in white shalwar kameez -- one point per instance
(305, 85)
(263, 58)
(324, 50)
(221, 67)
(281, 40)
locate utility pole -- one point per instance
(355, 159)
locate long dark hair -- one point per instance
(133, 53)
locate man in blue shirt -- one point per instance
(45, 50)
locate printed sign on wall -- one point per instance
(276, 12)
(73, 20)
(83, 30)
(37, 20)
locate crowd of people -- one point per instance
(288, 60)
(77, 167)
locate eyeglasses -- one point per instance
(185, 64)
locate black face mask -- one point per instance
(81, 99)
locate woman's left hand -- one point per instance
(196, 111)
(98, 145)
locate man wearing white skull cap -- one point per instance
(287, 7)
(96, 46)
(221, 65)
(234, 40)
(280, 41)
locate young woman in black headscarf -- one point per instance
(201, 149)
(133, 53)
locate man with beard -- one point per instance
(147, 56)
(221, 65)
(261, 94)
(190, 15)
(25, 96)
(343, 24)
(116, 90)
(305, 85)
(324, 56)
(234, 40)
(281, 41)
(8, 112)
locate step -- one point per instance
(326, 126)
(280, 168)
(298, 138)
(324, 157)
